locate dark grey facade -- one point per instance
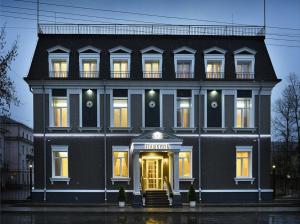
(199, 145)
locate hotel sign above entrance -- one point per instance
(156, 146)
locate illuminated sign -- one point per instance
(157, 146)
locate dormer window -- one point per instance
(152, 62)
(58, 60)
(184, 61)
(120, 62)
(214, 59)
(244, 59)
(89, 62)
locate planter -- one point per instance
(121, 204)
(192, 204)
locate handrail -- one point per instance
(152, 29)
(169, 187)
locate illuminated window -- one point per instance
(243, 70)
(243, 110)
(60, 111)
(152, 69)
(213, 70)
(184, 69)
(183, 112)
(120, 69)
(89, 69)
(185, 165)
(243, 159)
(59, 69)
(120, 164)
(120, 111)
(60, 165)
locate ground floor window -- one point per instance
(120, 162)
(60, 164)
(185, 163)
(243, 161)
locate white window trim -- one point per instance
(244, 58)
(89, 56)
(245, 149)
(112, 110)
(59, 148)
(57, 56)
(118, 148)
(190, 150)
(184, 57)
(192, 122)
(119, 57)
(252, 111)
(152, 57)
(215, 57)
(98, 108)
(51, 121)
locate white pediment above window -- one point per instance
(89, 49)
(152, 50)
(184, 50)
(244, 50)
(58, 49)
(120, 50)
(214, 50)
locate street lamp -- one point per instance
(30, 180)
(274, 180)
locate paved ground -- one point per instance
(151, 218)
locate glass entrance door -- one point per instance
(152, 173)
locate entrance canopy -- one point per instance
(156, 140)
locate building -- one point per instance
(151, 107)
(16, 151)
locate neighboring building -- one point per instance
(151, 106)
(16, 149)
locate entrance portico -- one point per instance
(156, 164)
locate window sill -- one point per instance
(120, 129)
(60, 179)
(120, 179)
(81, 129)
(68, 129)
(184, 129)
(151, 128)
(187, 179)
(216, 129)
(244, 130)
(244, 179)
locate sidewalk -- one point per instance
(201, 208)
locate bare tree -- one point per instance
(7, 87)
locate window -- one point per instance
(59, 69)
(244, 63)
(152, 62)
(152, 69)
(184, 59)
(60, 167)
(183, 110)
(58, 62)
(120, 69)
(185, 162)
(184, 69)
(244, 109)
(120, 108)
(59, 107)
(214, 59)
(244, 163)
(120, 162)
(89, 69)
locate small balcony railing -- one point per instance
(120, 75)
(89, 74)
(214, 75)
(184, 75)
(58, 74)
(245, 75)
(152, 75)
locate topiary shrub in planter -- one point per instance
(192, 196)
(121, 197)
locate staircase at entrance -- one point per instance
(157, 198)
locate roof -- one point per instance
(167, 43)
(9, 121)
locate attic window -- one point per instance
(120, 62)
(89, 62)
(184, 62)
(214, 59)
(58, 60)
(152, 62)
(244, 59)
